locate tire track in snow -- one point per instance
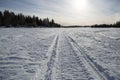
(101, 39)
(52, 52)
(97, 70)
(71, 67)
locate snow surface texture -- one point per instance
(59, 54)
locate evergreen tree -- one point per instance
(52, 23)
(7, 18)
(1, 16)
(12, 19)
(37, 21)
(34, 21)
(28, 21)
(46, 22)
(20, 19)
(118, 24)
(40, 22)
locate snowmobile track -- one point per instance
(72, 67)
(51, 61)
(88, 62)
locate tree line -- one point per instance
(115, 25)
(10, 19)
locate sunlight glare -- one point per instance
(80, 4)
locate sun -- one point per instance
(80, 4)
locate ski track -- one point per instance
(87, 61)
(98, 70)
(71, 67)
(51, 61)
(102, 70)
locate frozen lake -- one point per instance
(59, 54)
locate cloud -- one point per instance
(63, 11)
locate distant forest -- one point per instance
(10, 19)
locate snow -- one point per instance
(59, 54)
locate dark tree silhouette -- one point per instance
(40, 22)
(10, 19)
(1, 16)
(46, 22)
(52, 23)
(117, 24)
(6, 19)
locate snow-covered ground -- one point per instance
(59, 54)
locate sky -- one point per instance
(67, 12)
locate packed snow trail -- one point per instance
(71, 62)
(70, 67)
(87, 61)
(52, 52)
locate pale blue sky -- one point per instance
(66, 12)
